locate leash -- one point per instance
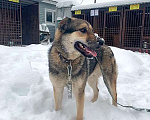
(107, 85)
(69, 69)
(69, 82)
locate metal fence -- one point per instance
(10, 23)
(146, 30)
(19, 22)
(124, 28)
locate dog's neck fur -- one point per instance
(63, 59)
(62, 63)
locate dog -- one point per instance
(71, 44)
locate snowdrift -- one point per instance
(26, 92)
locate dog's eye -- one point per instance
(83, 30)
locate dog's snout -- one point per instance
(93, 45)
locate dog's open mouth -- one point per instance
(84, 49)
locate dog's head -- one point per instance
(70, 35)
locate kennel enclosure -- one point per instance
(19, 22)
(125, 25)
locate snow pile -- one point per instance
(99, 38)
(66, 3)
(26, 92)
(43, 27)
(108, 3)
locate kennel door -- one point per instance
(112, 28)
(132, 29)
(146, 31)
(10, 23)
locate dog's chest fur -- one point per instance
(81, 68)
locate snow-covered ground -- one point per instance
(26, 92)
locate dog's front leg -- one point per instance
(58, 95)
(78, 91)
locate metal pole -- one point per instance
(94, 1)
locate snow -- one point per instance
(59, 18)
(108, 3)
(26, 92)
(66, 3)
(97, 37)
(43, 27)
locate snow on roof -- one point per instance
(53, 2)
(107, 4)
(66, 3)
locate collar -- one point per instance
(63, 59)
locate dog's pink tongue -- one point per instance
(93, 53)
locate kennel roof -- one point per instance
(108, 4)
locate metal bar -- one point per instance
(94, 20)
(15, 28)
(121, 25)
(124, 25)
(4, 24)
(104, 24)
(1, 24)
(21, 22)
(142, 31)
(11, 14)
(39, 22)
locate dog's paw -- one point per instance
(94, 98)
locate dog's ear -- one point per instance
(64, 24)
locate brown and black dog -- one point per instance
(67, 46)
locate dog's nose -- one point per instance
(97, 44)
(100, 41)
